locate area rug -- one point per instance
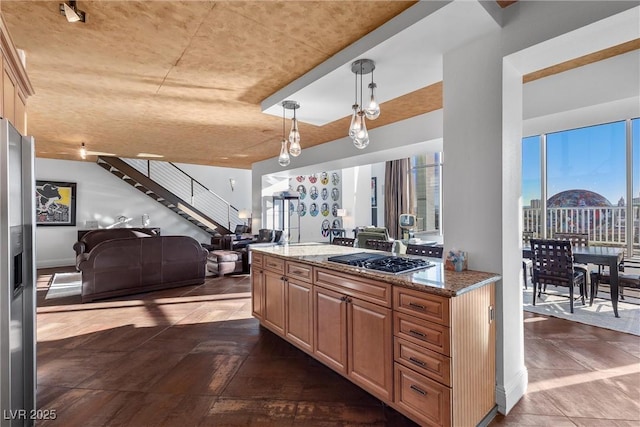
(65, 285)
(600, 314)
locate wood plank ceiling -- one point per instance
(184, 80)
(179, 79)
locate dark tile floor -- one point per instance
(194, 356)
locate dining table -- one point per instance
(600, 255)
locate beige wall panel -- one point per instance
(2, 87)
(473, 355)
(20, 114)
(8, 97)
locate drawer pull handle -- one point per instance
(417, 362)
(417, 333)
(418, 390)
(418, 306)
(297, 272)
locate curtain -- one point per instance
(399, 194)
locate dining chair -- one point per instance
(625, 278)
(380, 245)
(553, 265)
(527, 264)
(578, 240)
(343, 241)
(425, 250)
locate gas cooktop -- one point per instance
(383, 263)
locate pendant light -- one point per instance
(294, 134)
(358, 128)
(373, 109)
(284, 158)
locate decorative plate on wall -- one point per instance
(324, 178)
(313, 192)
(335, 178)
(325, 194)
(299, 178)
(324, 228)
(335, 194)
(313, 209)
(302, 190)
(334, 209)
(325, 209)
(313, 178)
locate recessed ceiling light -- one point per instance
(149, 155)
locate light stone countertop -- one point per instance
(435, 280)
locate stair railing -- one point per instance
(186, 187)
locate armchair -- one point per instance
(372, 233)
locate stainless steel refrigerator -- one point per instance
(17, 279)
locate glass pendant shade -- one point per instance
(373, 109)
(284, 158)
(361, 137)
(355, 121)
(294, 139)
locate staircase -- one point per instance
(170, 186)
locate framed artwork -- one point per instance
(55, 203)
(374, 191)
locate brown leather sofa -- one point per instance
(130, 265)
(92, 238)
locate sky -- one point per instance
(591, 158)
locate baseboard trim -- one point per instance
(508, 395)
(50, 263)
(489, 417)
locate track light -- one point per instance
(71, 12)
(83, 151)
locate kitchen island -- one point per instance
(423, 342)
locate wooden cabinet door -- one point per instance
(330, 328)
(299, 309)
(370, 347)
(257, 293)
(273, 317)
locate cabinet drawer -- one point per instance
(434, 308)
(274, 264)
(426, 362)
(296, 270)
(365, 289)
(427, 334)
(425, 399)
(257, 259)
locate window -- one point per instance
(426, 170)
(586, 182)
(531, 186)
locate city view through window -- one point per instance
(587, 182)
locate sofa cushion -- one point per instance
(224, 256)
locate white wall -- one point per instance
(100, 197)
(217, 180)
